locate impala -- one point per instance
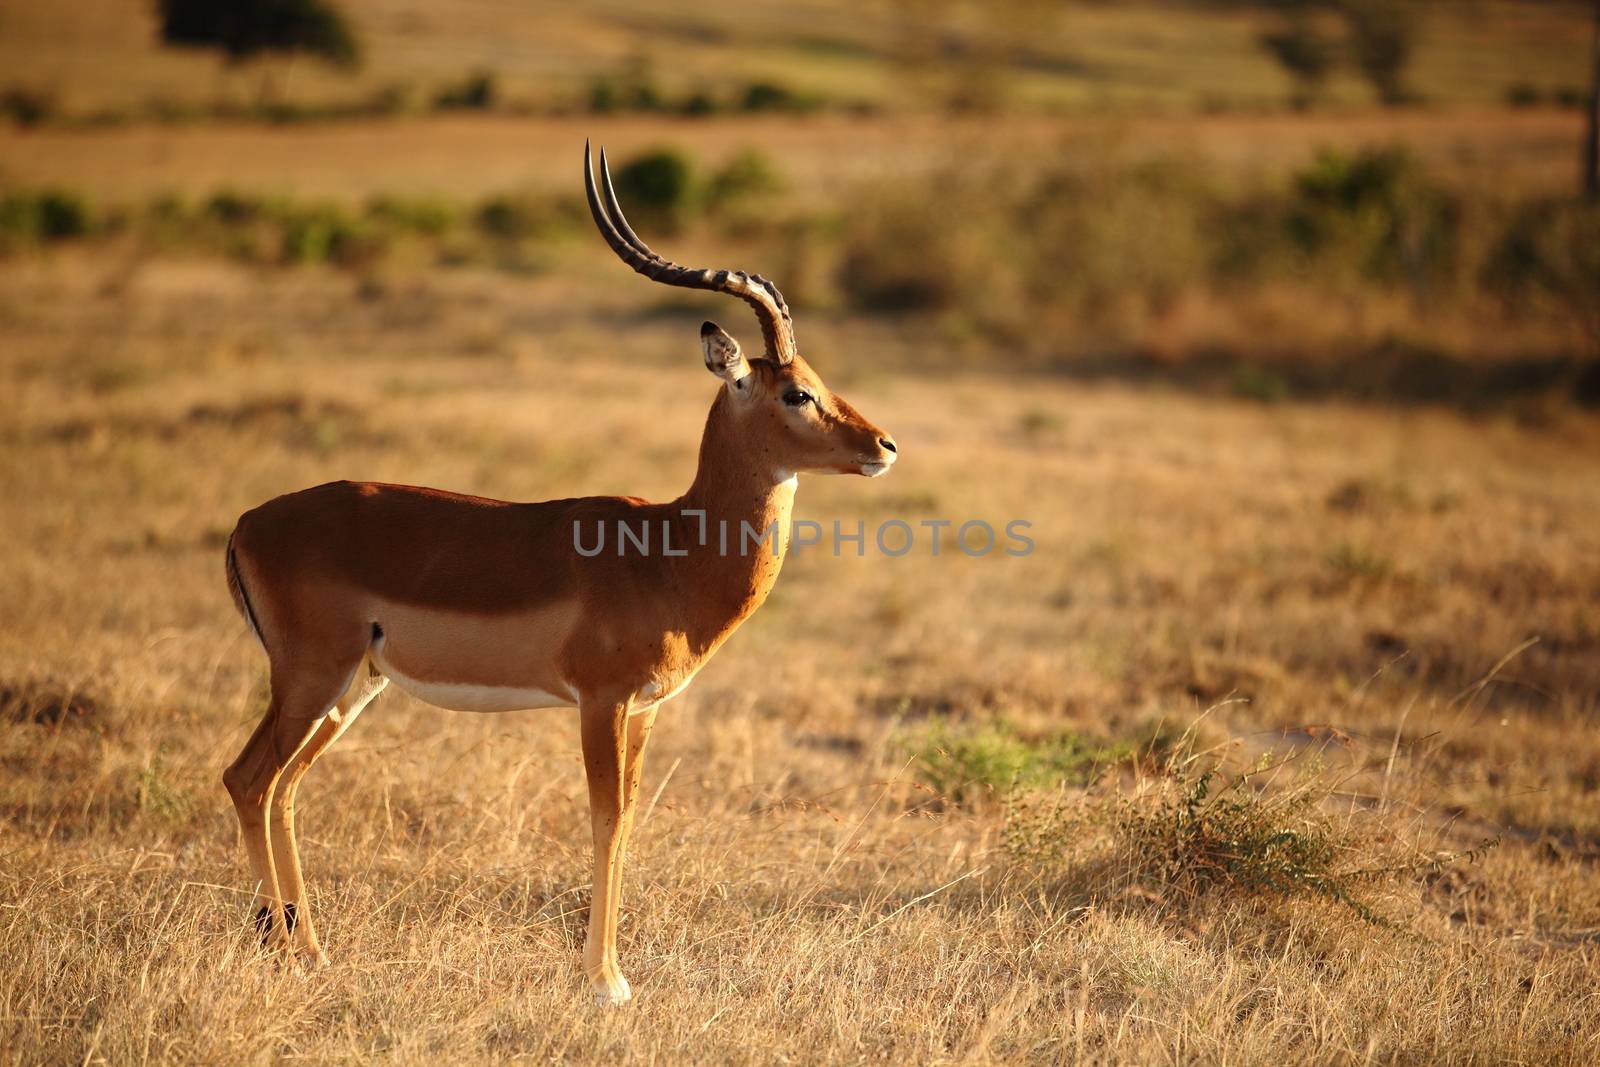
(484, 605)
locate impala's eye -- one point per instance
(797, 398)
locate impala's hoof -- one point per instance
(614, 995)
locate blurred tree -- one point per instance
(1378, 36)
(1304, 50)
(250, 29)
(1383, 34)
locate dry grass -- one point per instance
(98, 55)
(822, 157)
(795, 893)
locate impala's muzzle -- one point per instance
(880, 464)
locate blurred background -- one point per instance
(1286, 197)
(1278, 320)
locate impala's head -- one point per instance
(785, 410)
(778, 404)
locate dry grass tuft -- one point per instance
(1273, 832)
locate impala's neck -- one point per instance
(738, 484)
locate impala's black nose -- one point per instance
(888, 444)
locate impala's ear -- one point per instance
(723, 357)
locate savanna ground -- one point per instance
(1321, 578)
(924, 809)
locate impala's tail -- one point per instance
(241, 599)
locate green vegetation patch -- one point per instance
(963, 761)
(1190, 832)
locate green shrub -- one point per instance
(1192, 833)
(159, 794)
(763, 96)
(421, 215)
(634, 89)
(699, 104)
(328, 234)
(44, 215)
(1304, 51)
(1375, 213)
(604, 97)
(62, 215)
(963, 761)
(478, 91)
(1548, 259)
(515, 216)
(747, 176)
(235, 209)
(658, 189)
(1383, 35)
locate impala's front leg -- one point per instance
(604, 726)
(640, 724)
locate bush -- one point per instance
(634, 89)
(770, 96)
(27, 107)
(327, 234)
(420, 215)
(45, 215)
(477, 92)
(1383, 36)
(1191, 833)
(513, 217)
(1549, 257)
(233, 209)
(61, 215)
(1375, 211)
(699, 104)
(658, 189)
(1304, 52)
(1104, 247)
(960, 762)
(747, 176)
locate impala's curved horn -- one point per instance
(777, 328)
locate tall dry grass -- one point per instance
(1343, 586)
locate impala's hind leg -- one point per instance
(296, 709)
(367, 684)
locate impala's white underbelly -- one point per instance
(462, 696)
(469, 696)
